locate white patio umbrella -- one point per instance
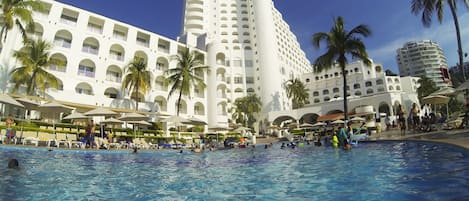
(133, 117)
(318, 124)
(436, 100)
(28, 103)
(76, 116)
(446, 91)
(196, 122)
(306, 125)
(218, 128)
(100, 111)
(54, 109)
(6, 99)
(177, 120)
(360, 119)
(338, 122)
(112, 121)
(129, 117)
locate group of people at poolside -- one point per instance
(341, 138)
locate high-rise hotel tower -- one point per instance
(250, 49)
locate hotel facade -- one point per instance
(247, 45)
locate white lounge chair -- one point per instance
(31, 140)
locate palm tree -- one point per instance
(137, 78)
(427, 86)
(34, 58)
(429, 7)
(245, 109)
(340, 44)
(186, 74)
(18, 12)
(297, 91)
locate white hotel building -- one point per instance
(369, 92)
(247, 45)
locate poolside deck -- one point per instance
(458, 137)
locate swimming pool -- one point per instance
(372, 171)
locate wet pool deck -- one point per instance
(458, 137)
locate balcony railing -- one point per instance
(86, 73)
(119, 36)
(93, 29)
(116, 57)
(67, 21)
(89, 49)
(62, 43)
(142, 43)
(57, 68)
(114, 78)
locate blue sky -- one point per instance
(391, 22)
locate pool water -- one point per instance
(371, 171)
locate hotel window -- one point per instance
(325, 92)
(248, 63)
(87, 71)
(380, 89)
(379, 82)
(249, 80)
(315, 93)
(398, 88)
(238, 80)
(335, 90)
(237, 63)
(69, 17)
(368, 84)
(358, 93)
(316, 100)
(356, 86)
(326, 99)
(369, 91)
(95, 28)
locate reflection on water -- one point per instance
(371, 171)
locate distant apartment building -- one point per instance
(424, 58)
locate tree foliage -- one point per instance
(137, 78)
(19, 13)
(34, 58)
(427, 8)
(296, 90)
(188, 73)
(341, 44)
(245, 109)
(427, 86)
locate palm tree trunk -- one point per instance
(345, 93)
(30, 86)
(179, 102)
(458, 37)
(136, 101)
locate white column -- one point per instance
(269, 65)
(213, 49)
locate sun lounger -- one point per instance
(31, 140)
